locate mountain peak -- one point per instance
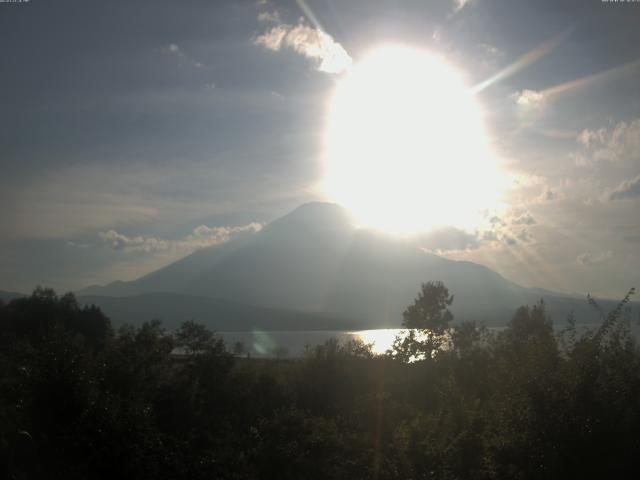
(314, 216)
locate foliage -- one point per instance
(428, 321)
(78, 400)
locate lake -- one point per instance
(260, 343)
(268, 344)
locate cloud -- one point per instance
(175, 50)
(269, 17)
(524, 236)
(491, 51)
(497, 222)
(548, 195)
(460, 4)
(509, 240)
(524, 219)
(450, 239)
(627, 189)
(308, 41)
(489, 56)
(172, 48)
(453, 240)
(273, 39)
(620, 143)
(586, 259)
(77, 245)
(201, 236)
(530, 99)
(508, 229)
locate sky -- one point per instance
(133, 133)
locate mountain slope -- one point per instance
(220, 315)
(314, 260)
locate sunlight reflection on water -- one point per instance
(381, 339)
(260, 343)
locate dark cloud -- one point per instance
(549, 195)
(524, 219)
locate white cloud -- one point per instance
(489, 56)
(201, 236)
(269, 17)
(620, 143)
(308, 41)
(586, 259)
(172, 48)
(175, 50)
(272, 39)
(530, 99)
(491, 50)
(587, 138)
(118, 241)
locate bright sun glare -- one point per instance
(405, 147)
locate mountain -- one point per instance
(314, 261)
(8, 296)
(220, 315)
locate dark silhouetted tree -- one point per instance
(427, 321)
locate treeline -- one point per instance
(79, 400)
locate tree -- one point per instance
(427, 321)
(239, 348)
(37, 316)
(197, 339)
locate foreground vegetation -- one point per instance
(78, 400)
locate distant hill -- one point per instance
(8, 296)
(313, 260)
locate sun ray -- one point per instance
(524, 61)
(309, 14)
(587, 80)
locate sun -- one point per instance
(405, 148)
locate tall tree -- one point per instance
(427, 321)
